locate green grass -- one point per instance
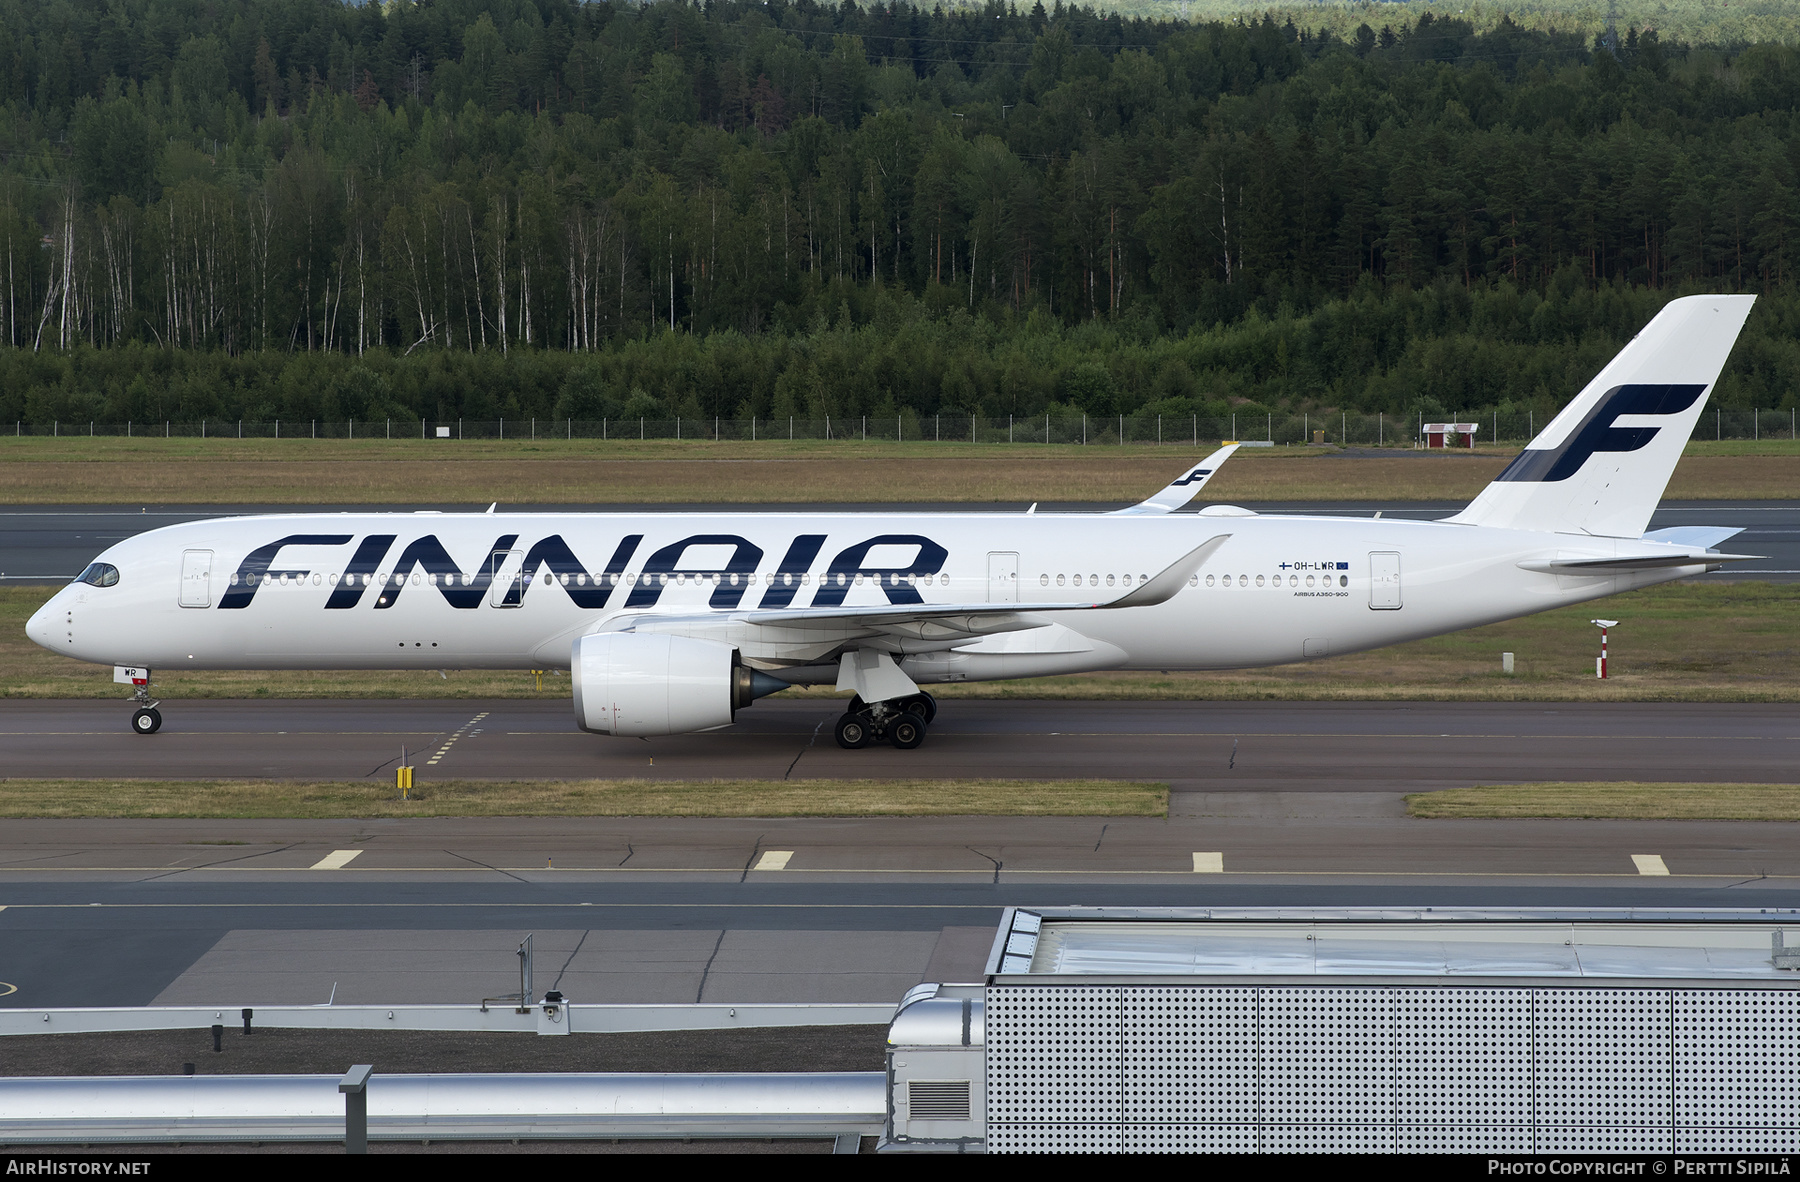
(1619, 800)
(1717, 642)
(304, 472)
(258, 799)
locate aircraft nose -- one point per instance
(41, 627)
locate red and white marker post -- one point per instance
(1600, 664)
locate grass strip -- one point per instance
(1622, 800)
(521, 473)
(315, 800)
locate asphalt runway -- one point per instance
(1195, 746)
(49, 544)
(1308, 813)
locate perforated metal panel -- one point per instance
(1603, 1058)
(1737, 1141)
(1053, 1056)
(1327, 1139)
(1462, 1057)
(1462, 1139)
(1421, 1069)
(1190, 1139)
(1604, 1139)
(1737, 1059)
(1327, 1056)
(1189, 1055)
(1037, 1138)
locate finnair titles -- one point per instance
(670, 623)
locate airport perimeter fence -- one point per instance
(1332, 429)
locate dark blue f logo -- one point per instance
(1596, 432)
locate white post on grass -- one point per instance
(1600, 662)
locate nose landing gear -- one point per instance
(901, 721)
(146, 719)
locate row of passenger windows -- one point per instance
(787, 580)
(1092, 580)
(733, 580)
(1292, 580)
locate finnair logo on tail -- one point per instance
(1196, 474)
(1597, 432)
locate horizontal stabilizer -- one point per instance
(1619, 565)
(1703, 537)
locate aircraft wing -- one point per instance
(1182, 490)
(941, 621)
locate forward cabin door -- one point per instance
(1003, 577)
(196, 578)
(503, 572)
(1384, 581)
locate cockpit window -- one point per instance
(100, 574)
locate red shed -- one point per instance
(1440, 434)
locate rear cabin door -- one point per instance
(196, 578)
(1384, 581)
(1003, 577)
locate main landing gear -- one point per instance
(901, 721)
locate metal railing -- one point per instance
(60, 1110)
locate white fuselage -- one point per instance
(1280, 589)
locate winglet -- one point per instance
(1182, 490)
(1163, 587)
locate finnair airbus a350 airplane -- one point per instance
(670, 623)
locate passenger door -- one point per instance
(196, 578)
(503, 572)
(1384, 581)
(1003, 577)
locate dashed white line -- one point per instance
(1209, 863)
(445, 749)
(1650, 864)
(336, 860)
(773, 860)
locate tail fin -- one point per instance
(1601, 465)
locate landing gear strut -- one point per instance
(146, 720)
(901, 721)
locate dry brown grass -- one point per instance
(1737, 642)
(1620, 800)
(476, 472)
(253, 799)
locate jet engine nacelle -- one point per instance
(638, 684)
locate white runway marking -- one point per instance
(1209, 863)
(336, 860)
(773, 860)
(1650, 864)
